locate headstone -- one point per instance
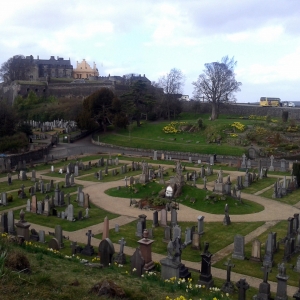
(54, 244)
(155, 219)
(271, 168)
(11, 223)
(242, 286)
(145, 248)
(239, 247)
(282, 278)
(106, 250)
(70, 216)
(34, 204)
(42, 236)
(59, 236)
(88, 248)
(256, 251)
(188, 239)
(163, 217)
(264, 291)
(173, 217)
(120, 258)
(201, 225)
(205, 277)
(137, 262)
(228, 286)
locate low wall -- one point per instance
(242, 110)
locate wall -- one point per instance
(243, 110)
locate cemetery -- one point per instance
(205, 220)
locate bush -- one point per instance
(200, 124)
(17, 261)
(10, 198)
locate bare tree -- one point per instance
(16, 68)
(172, 84)
(217, 84)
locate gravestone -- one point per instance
(173, 217)
(176, 232)
(155, 219)
(34, 204)
(163, 218)
(269, 251)
(282, 278)
(106, 250)
(167, 234)
(139, 229)
(264, 291)
(242, 286)
(59, 236)
(11, 223)
(145, 248)
(228, 286)
(88, 249)
(137, 262)
(188, 239)
(256, 251)
(205, 277)
(70, 216)
(42, 236)
(54, 244)
(120, 258)
(239, 247)
(200, 225)
(196, 241)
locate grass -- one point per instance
(96, 214)
(18, 202)
(214, 207)
(215, 233)
(53, 276)
(16, 184)
(259, 185)
(254, 269)
(291, 198)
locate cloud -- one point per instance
(285, 68)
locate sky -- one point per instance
(151, 37)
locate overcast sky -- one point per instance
(151, 37)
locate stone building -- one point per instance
(42, 69)
(84, 71)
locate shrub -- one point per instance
(10, 198)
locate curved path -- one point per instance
(273, 210)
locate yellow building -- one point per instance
(84, 70)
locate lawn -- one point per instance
(96, 214)
(18, 202)
(254, 269)
(16, 184)
(214, 207)
(291, 198)
(259, 185)
(218, 236)
(53, 276)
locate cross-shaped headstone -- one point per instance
(242, 286)
(89, 235)
(229, 265)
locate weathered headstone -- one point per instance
(106, 250)
(239, 247)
